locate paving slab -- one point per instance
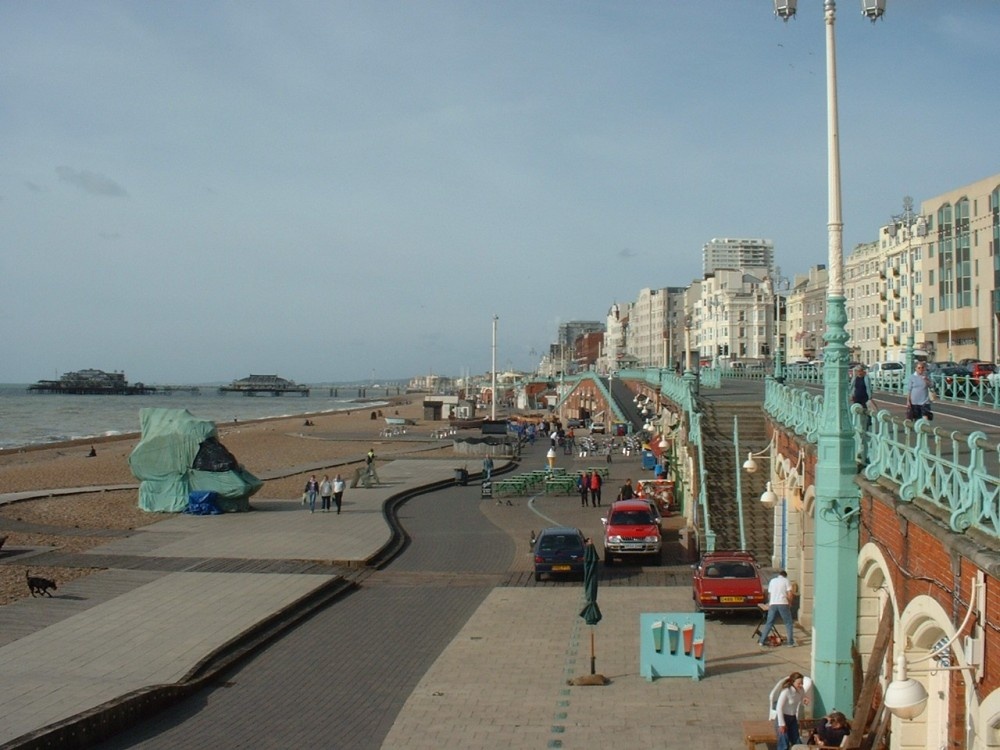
(151, 635)
(502, 682)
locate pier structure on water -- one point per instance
(271, 385)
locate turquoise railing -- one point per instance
(959, 474)
(682, 390)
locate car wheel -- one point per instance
(608, 561)
(538, 576)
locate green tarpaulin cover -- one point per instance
(171, 459)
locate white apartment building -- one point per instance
(655, 327)
(734, 317)
(864, 288)
(756, 256)
(961, 271)
(806, 315)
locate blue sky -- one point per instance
(194, 191)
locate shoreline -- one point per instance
(280, 447)
(363, 403)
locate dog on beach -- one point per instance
(39, 586)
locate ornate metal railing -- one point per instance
(960, 474)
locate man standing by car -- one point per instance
(779, 596)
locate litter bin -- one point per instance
(648, 460)
(461, 477)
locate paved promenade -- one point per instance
(202, 590)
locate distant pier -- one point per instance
(264, 385)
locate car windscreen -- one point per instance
(630, 518)
(551, 542)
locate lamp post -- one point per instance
(836, 541)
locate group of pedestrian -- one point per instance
(331, 493)
(792, 695)
(919, 388)
(589, 484)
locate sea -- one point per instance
(28, 418)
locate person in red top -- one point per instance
(595, 489)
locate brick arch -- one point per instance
(875, 587)
(922, 624)
(986, 721)
(806, 554)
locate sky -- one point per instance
(333, 191)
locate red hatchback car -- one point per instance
(726, 582)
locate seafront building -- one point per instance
(729, 253)
(930, 281)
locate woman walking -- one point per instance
(312, 489)
(790, 701)
(326, 492)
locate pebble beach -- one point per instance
(284, 446)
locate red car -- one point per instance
(726, 582)
(631, 530)
(982, 370)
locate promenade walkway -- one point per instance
(174, 607)
(183, 598)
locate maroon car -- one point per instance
(726, 582)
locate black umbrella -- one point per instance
(590, 613)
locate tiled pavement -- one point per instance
(500, 683)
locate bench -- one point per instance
(761, 734)
(565, 484)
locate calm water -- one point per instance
(34, 418)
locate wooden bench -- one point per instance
(761, 735)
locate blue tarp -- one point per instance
(202, 504)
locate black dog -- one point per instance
(39, 586)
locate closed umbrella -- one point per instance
(590, 613)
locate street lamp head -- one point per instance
(768, 499)
(785, 9)
(873, 9)
(904, 697)
(750, 466)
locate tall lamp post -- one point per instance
(836, 538)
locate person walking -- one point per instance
(779, 595)
(919, 393)
(790, 701)
(338, 491)
(583, 487)
(326, 492)
(626, 492)
(312, 489)
(595, 489)
(487, 468)
(860, 392)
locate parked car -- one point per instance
(559, 551)
(727, 582)
(982, 371)
(597, 428)
(630, 530)
(575, 424)
(887, 373)
(952, 381)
